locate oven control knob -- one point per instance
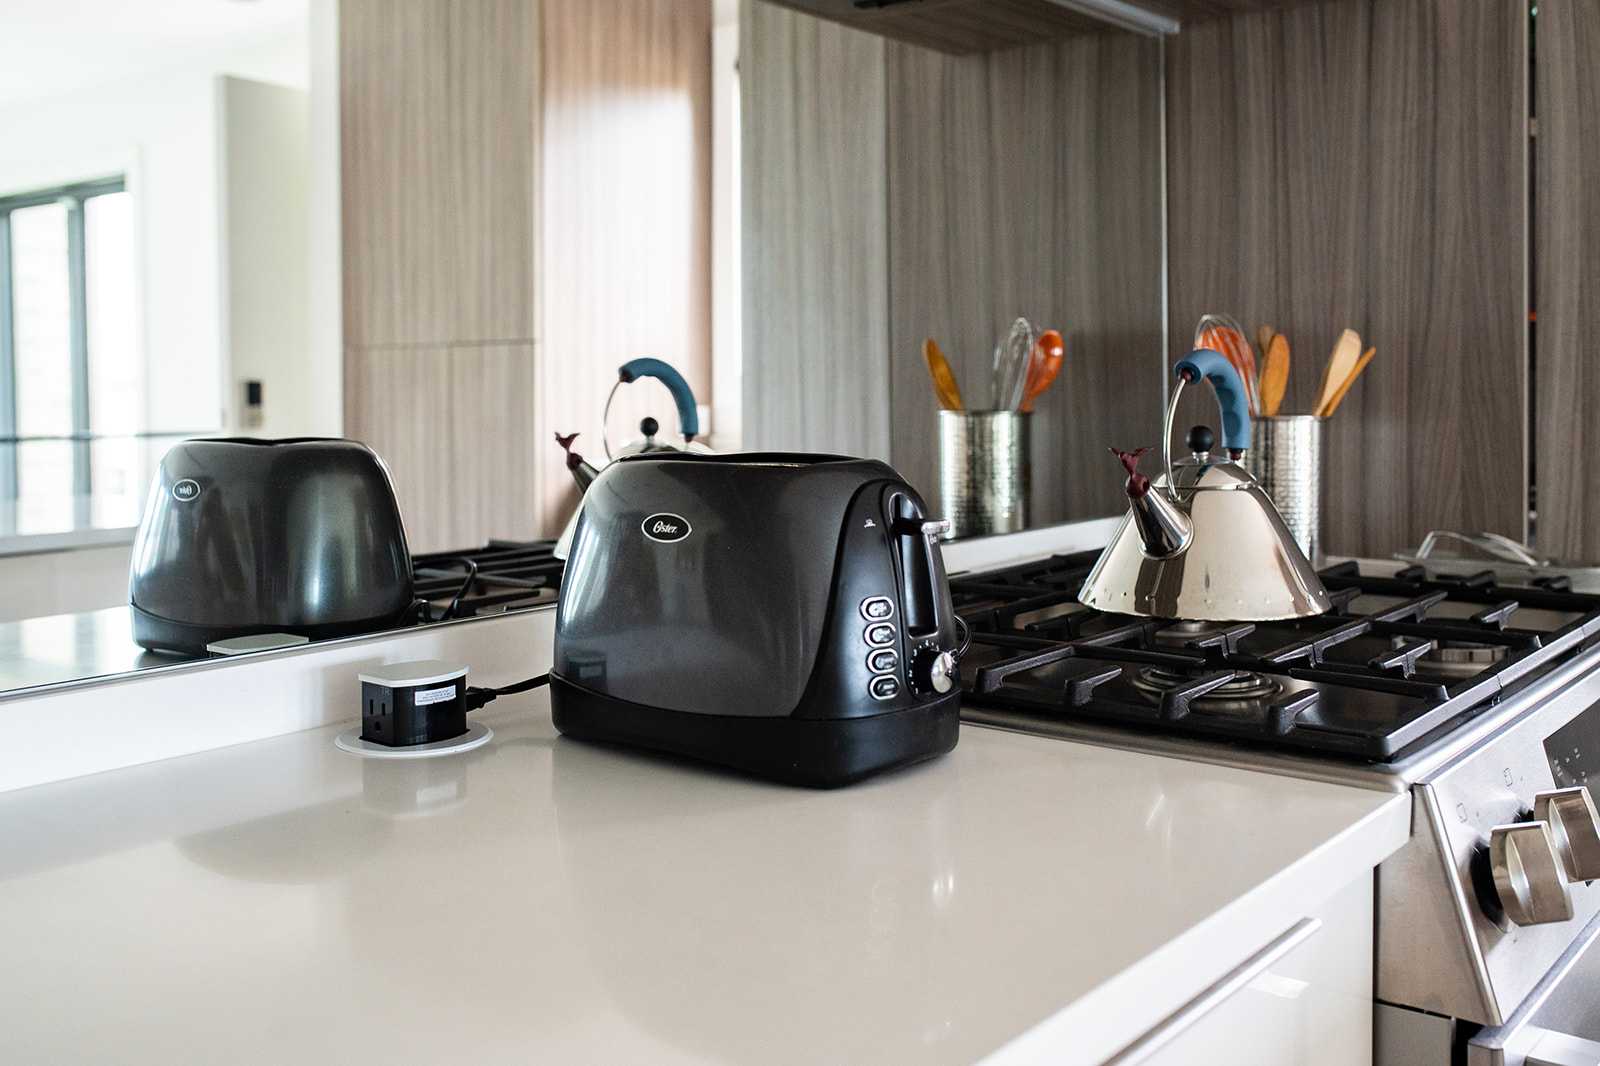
(1575, 826)
(933, 672)
(1527, 874)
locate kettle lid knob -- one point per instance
(1200, 440)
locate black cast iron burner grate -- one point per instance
(500, 576)
(1396, 659)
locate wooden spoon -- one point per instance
(1264, 335)
(944, 381)
(1346, 353)
(1274, 374)
(1338, 396)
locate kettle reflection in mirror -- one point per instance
(1203, 541)
(584, 472)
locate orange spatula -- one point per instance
(1049, 353)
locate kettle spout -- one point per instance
(1164, 529)
(582, 472)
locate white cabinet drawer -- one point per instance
(1304, 999)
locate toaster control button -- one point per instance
(880, 635)
(883, 662)
(876, 608)
(885, 688)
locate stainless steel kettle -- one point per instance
(1203, 541)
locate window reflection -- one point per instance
(75, 356)
(116, 365)
(41, 305)
(44, 486)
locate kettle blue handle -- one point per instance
(682, 395)
(1215, 368)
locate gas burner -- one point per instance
(1244, 693)
(1459, 658)
(1194, 634)
(1184, 632)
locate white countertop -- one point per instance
(544, 900)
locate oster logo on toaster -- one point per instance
(665, 527)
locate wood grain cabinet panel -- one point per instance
(625, 219)
(444, 421)
(392, 402)
(438, 154)
(1450, 171)
(815, 240)
(1027, 182)
(894, 193)
(465, 122)
(1364, 164)
(491, 478)
(1567, 280)
(437, 145)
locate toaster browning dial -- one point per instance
(933, 670)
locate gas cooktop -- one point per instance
(503, 575)
(1403, 657)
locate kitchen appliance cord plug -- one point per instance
(477, 697)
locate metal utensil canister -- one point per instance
(1286, 458)
(984, 471)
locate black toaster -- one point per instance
(243, 536)
(783, 614)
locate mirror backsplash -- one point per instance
(169, 259)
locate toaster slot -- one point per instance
(920, 569)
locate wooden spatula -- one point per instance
(1346, 354)
(945, 388)
(1344, 387)
(1274, 374)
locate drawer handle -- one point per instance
(1215, 995)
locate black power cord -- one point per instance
(466, 586)
(966, 637)
(477, 697)
(422, 611)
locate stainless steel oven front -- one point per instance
(1559, 1024)
(1488, 919)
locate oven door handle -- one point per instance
(1559, 1049)
(1215, 995)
